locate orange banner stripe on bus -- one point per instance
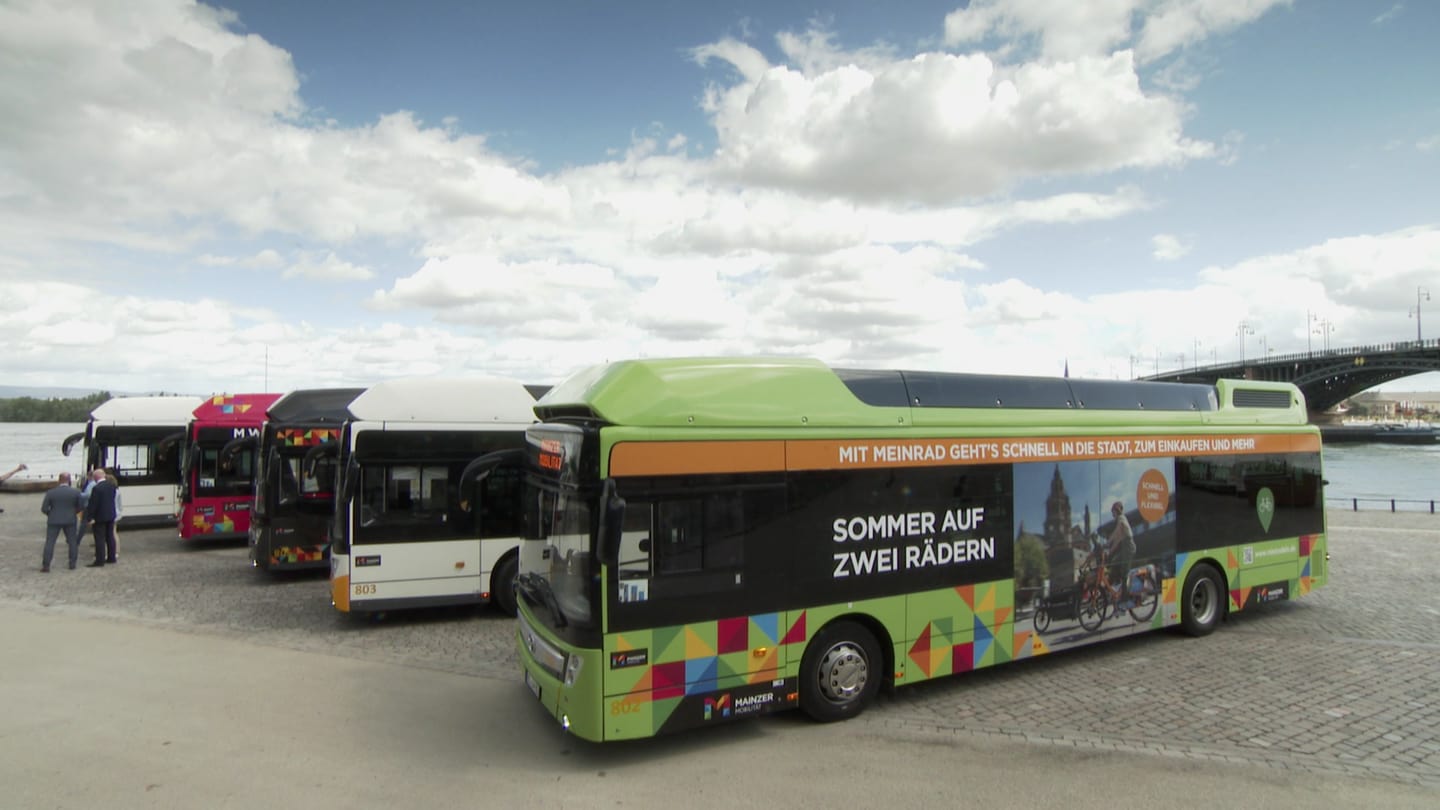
(677, 458)
(880, 453)
(696, 458)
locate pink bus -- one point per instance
(218, 471)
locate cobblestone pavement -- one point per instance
(1343, 681)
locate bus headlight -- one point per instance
(572, 669)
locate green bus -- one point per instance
(711, 539)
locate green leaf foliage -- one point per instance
(30, 409)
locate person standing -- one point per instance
(100, 514)
(84, 499)
(119, 513)
(60, 505)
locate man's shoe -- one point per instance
(72, 566)
(96, 564)
(44, 569)
(111, 562)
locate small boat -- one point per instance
(28, 485)
(1382, 432)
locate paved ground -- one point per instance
(1308, 702)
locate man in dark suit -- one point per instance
(100, 514)
(61, 505)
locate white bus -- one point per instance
(140, 439)
(408, 532)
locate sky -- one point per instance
(264, 195)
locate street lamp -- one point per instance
(1325, 328)
(1420, 292)
(1242, 330)
(1197, 354)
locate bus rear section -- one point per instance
(408, 532)
(218, 481)
(141, 440)
(296, 479)
(710, 540)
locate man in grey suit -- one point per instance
(60, 505)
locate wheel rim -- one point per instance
(1204, 601)
(843, 672)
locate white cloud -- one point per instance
(1389, 14)
(941, 128)
(162, 113)
(1066, 29)
(845, 214)
(266, 259)
(1069, 30)
(328, 267)
(1167, 247)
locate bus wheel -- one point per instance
(1200, 606)
(840, 672)
(502, 583)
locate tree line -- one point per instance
(31, 409)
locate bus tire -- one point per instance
(1201, 607)
(502, 583)
(840, 672)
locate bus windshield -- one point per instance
(564, 578)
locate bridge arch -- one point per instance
(1326, 378)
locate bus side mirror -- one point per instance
(347, 486)
(612, 521)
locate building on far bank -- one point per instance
(1405, 405)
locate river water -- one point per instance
(1371, 472)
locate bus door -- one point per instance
(412, 537)
(680, 561)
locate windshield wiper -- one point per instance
(537, 589)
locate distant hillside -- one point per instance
(40, 392)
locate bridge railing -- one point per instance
(1299, 357)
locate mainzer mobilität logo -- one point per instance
(629, 658)
(718, 705)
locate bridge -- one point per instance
(1328, 377)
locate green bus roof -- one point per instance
(796, 393)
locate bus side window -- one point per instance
(289, 472)
(635, 545)
(699, 534)
(679, 540)
(499, 503)
(372, 494)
